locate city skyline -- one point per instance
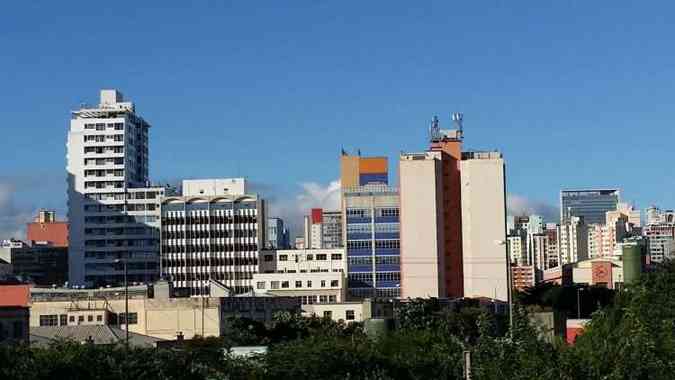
(258, 92)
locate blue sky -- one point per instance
(574, 94)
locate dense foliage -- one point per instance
(631, 336)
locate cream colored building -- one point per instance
(484, 225)
(422, 232)
(160, 317)
(348, 312)
(312, 275)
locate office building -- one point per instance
(592, 204)
(552, 249)
(111, 210)
(277, 235)
(431, 218)
(331, 228)
(323, 229)
(657, 216)
(523, 277)
(483, 197)
(311, 275)
(372, 240)
(316, 228)
(211, 237)
(42, 264)
(45, 229)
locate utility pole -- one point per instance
(126, 303)
(578, 303)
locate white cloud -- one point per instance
(518, 205)
(293, 207)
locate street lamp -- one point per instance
(126, 301)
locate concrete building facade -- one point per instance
(215, 238)
(484, 225)
(372, 241)
(107, 158)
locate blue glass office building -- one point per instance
(371, 215)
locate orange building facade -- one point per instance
(45, 228)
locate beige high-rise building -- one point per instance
(484, 225)
(422, 197)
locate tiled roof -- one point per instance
(99, 334)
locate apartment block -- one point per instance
(107, 165)
(484, 225)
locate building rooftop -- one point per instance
(98, 334)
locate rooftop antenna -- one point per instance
(434, 129)
(458, 122)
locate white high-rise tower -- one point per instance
(113, 214)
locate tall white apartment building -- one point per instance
(209, 238)
(112, 212)
(484, 225)
(573, 245)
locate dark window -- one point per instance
(349, 315)
(49, 320)
(63, 320)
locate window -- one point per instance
(310, 257)
(323, 283)
(260, 285)
(274, 284)
(63, 320)
(336, 256)
(90, 318)
(71, 319)
(328, 314)
(323, 299)
(321, 257)
(332, 299)
(80, 319)
(49, 320)
(133, 318)
(283, 257)
(309, 284)
(99, 318)
(298, 284)
(349, 315)
(284, 284)
(334, 283)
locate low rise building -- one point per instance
(523, 277)
(43, 264)
(46, 229)
(311, 275)
(152, 310)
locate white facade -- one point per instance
(573, 240)
(517, 250)
(213, 187)
(316, 232)
(484, 225)
(215, 238)
(313, 275)
(107, 159)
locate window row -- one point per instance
(104, 161)
(104, 149)
(189, 248)
(310, 300)
(210, 234)
(103, 126)
(298, 284)
(213, 261)
(103, 138)
(213, 219)
(368, 260)
(120, 243)
(214, 275)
